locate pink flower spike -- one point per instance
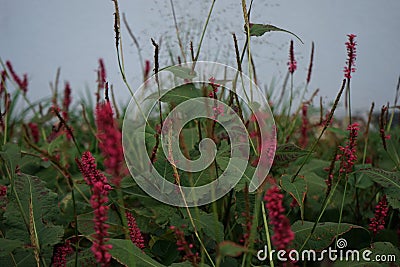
(61, 253)
(22, 84)
(351, 56)
(34, 131)
(102, 73)
(134, 231)
(283, 235)
(110, 144)
(67, 101)
(100, 189)
(348, 153)
(377, 223)
(3, 77)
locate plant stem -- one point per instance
(203, 33)
(322, 132)
(177, 179)
(323, 208)
(271, 261)
(341, 207)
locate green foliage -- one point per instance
(390, 181)
(261, 29)
(45, 201)
(29, 218)
(126, 253)
(322, 237)
(229, 248)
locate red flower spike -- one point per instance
(100, 188)
(147, 69)
(110, 137)
(3, 190)
(22, 83)
(102, 73)
(283, 235)
(34, 131)
(351, 56)
(61, 253)
(377, 223)
(134, 231)
(348, 153)
(3, 77)
(292, 62)
(67, 101)
(184, 246)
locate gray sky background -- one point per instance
(41, 35)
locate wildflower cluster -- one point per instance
(61, 253)
(214, 86)
(34, 131)
(99, 198)
(67, 101)
(101, 74)
(3, 77)
(22, 83)
(110, 144)
(184, 246)
(349, 152)
(283, 235)
(377, 223)
(134, 231)
(351, 56)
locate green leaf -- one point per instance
(362, 180)
(126, 253)
(8, 245)
(297, 190)
(181, 94)
(165, 250)
(229, 248)
(86, 224)
(288, 153)
(206, 222)
(182, 72)
(30, 215)
(260, 29)
(390, 181)
(85, 258)
(178, 94)
(324, 234)
(11, 154)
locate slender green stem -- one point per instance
(341, 207)
(122, 213)
(271, 261)
(322, 132)
(177, 31)
(323, 208)
(5, 128)
(177, 177)
(256, 212)
(203, 33)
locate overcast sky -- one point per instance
(41, 35)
